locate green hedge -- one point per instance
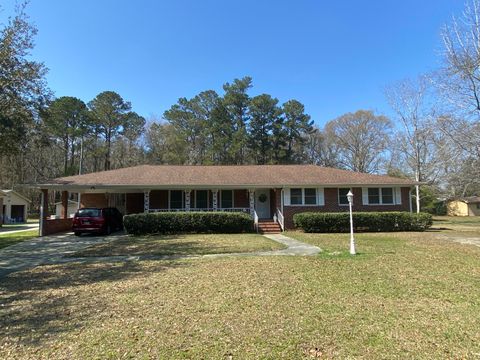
(362, 221)
(187, 222)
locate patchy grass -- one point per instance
(457, 223)
(190, 244)
(10, 239)
(406, 295)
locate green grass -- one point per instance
(406, 295)
(460, 224)
(190, 244)
(10, 239)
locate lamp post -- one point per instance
(352, 240)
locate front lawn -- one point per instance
(404, 296)
(457, 223)
(10, 239)
(190, 244)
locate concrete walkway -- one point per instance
(55, 250)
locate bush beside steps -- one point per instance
(363, 221)
(187, 222)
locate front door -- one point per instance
(262, 203)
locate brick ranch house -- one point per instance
(274, 192)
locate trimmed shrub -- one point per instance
(362, 221)
(187, 222)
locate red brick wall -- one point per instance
(135, 203)
(93, 200)
(56, 226)
(331, 205)
(240, 198)
(158, 199)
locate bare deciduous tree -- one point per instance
(414, 143)
(362, 139)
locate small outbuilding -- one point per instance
(469, 206)
(72, 209)
(15, 207)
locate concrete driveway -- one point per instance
(46, 250)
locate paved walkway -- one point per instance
(55, 250)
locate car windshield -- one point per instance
(89, 213)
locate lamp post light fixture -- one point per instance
(352, 240)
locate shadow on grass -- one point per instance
(164, 245)
(36, 304)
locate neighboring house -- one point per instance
(274, 192)
(72, 209)
(469, 206)
(2, 196)
(15, 207)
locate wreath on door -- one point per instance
(262, 198)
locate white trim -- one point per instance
(380, 196)
(317, 202)
(398, 195)
(321, 197)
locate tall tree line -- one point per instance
(232, 128)
(433, 135)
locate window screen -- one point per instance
(201, 199)
(176, 199)
(387, 195)
(342, 196)
(226, 199)
(310, 196)
(373, 195)
(296, 196)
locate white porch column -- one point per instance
(146, 201)
(251, 193)
(187, 199)
(215, 199)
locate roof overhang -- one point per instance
(141, 188)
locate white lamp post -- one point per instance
(352, 240)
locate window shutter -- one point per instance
(398, 196)
(286, 197)
(320, 197)
(365, 196)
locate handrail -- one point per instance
(255, 220)
(280, 219)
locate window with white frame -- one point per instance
(296, 196)
(380, 196)
(307, 196)
(342, 196)
(310, 196)
(226, 199)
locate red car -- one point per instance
(97, 220)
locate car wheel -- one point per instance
(77, 233)
(108, 230)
